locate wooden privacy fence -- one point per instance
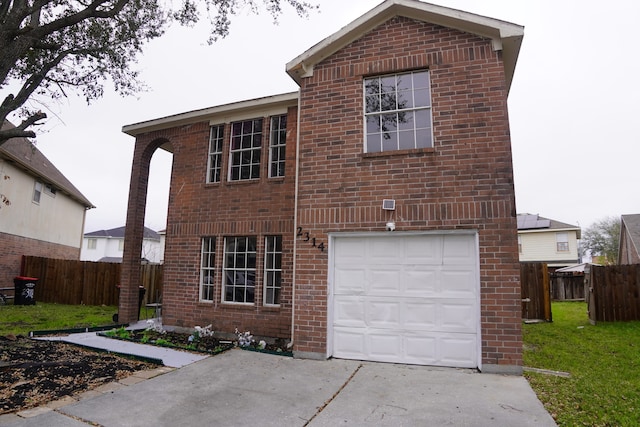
(614, 293)
(567, 287)
(86, 282)
(536, 293)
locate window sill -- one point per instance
(414, 151)
(238, 305)
(243, 182)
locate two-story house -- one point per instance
(369, 215)
(44, 212)
(547, 240)
(108, 246)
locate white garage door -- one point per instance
(406, 299)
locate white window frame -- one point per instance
(120, 245)
(37, 192)
(207, 269)
(92, 243)
(245, 150)
(387, 104)
(242, 268)
(277, 145)
(562, 242)
(272, 270)
(214, 162)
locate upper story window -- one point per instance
(216, 137)
(246, 148)
(519, 243)
(37, 192)
(92, 243)
(277, 144)
(398, 112)
(50, 190)
(562, 242)
(121, 245)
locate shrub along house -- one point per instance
(281, 208)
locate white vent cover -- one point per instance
(389, 205)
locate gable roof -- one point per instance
(118, 233)
(25, 155)
(505, 36)
(631, 223)
(535, 222)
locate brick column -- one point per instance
(130, 274)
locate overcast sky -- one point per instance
(573, 104)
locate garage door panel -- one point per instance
(383, 314)
(457, 316)
(350, 280)
(349, 311)
(420, 281)
(460, 350)
(383, 280)
(458, 250)
(421, 251)
(458, 283)
(383, 346)
(349, 344)
(420, 315)
(351, 248)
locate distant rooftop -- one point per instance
(536, 222)
(118, 233)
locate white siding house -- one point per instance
(546, 240)
(108, 245)
(41, 212)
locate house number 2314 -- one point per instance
(307, 238)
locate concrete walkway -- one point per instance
(241, 388)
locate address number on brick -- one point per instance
(308, 238)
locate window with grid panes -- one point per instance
(398, 112)
(246, 148)
(239, 271)
(216, 138)
(277, 145)
(207, 268)
(272, 270)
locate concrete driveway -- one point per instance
(241, 388)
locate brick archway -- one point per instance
(134, 233)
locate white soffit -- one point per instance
(218, 114)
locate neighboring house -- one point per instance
(281, 208)
(547, 240)
(629, 239)
(108, 245)
(46, 213)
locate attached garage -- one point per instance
(405, 298)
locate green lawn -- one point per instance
(21, 319)
(603, 360)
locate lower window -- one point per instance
(207, 268)
(272, 270)
(239, 271)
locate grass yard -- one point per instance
(21, 319)
(603, 360)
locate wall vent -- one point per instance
(389, 205)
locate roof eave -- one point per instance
(59, 186)
(505, 36)
(285, 99)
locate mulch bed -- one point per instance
(33, 372)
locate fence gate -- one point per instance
(536, 292)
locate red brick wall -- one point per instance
(464, 182)
(258, 208)
(14, 247)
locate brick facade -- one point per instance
(14, 247)
(465, 182)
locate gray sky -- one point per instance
(572, 106)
